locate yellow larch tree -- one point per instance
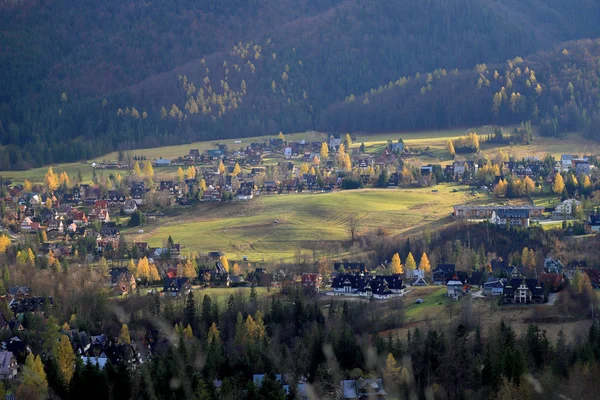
(424, 264)
(410, 262)
(396, 266)
(324, 151)
(559, 184)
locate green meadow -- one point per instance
(277, 227)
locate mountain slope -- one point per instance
(296, 59)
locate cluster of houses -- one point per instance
(514, 285)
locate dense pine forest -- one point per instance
(81, 79)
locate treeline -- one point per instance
(59, 101)
(555, 90)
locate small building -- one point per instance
(363, 389)
(162, 162)
(566, 208)
(493, 288)
(130, 207)
(8, 365)
(592, 225)
(176, 286)
(510, 217)
(456, 286)
(122, 281)
(311, 281)
(523, 291)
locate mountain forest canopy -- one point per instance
(81, 79)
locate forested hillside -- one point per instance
(132, 73)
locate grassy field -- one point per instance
(221, 295)
(304, 221)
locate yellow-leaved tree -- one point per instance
(410, 264)
(225, 262)
(26, 186)
(451, 149)
(180, 175)
(324, 151)
(396, 266)
(148, 169)
(51, 180)
(559, 184)
(424, 264)
(221, 167)
(188, 270)
(136, 169)
(4, 243)
(35, 383)
(237, 170)
(65, 358)
(202, 184)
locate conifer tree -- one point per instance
(396, 266)
(559, 184)
(410, 264)
(65, 358)
(424, 264)
(324, 151)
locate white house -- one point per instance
(287, 152)
(565, 208)
(454, 287)
(566, 161)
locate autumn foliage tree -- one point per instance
(324, 151)
(35, 383)
(424, 264)
(396, 265)
(559, 184)
(51, 180)
(410, 264)
(65, 358)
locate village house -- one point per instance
(55, 225)
(335, 140)
(494, 287)
(565, 209)
(510, 217)
(8, 365)
(122, 281)
(130, 207)
(214, 195)
(442, 273)
(311, 282)
(457, 286)
(27, 225)
(376, 289)
(523, 291)
(176, 286)
(592, 224)
(363, 389)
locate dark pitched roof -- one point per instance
(512, 213)
(116, 273)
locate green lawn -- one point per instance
(221, 295)
(304, 221)
(433, 305)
